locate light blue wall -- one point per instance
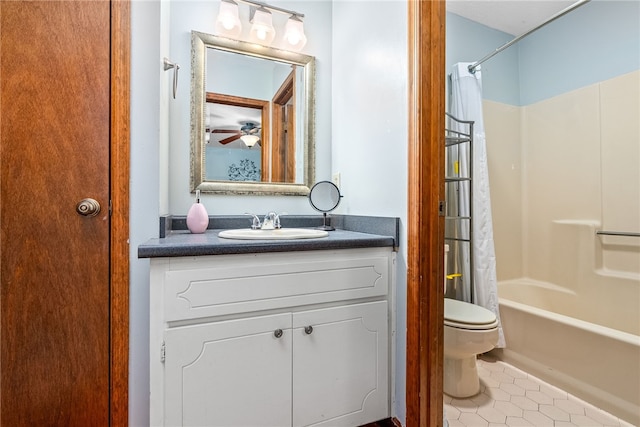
(369, 134)
(468, 41)
(147, 105)
(595, 42)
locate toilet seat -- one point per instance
(463, 315)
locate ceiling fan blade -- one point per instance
(229, 139)
(225, 131)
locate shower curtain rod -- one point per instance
(472, 67)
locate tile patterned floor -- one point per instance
(511, 397)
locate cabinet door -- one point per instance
(231, 373)
(340, 368)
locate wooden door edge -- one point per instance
(425, 235)
(119, 190)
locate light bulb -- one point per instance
(262, 30)
(294, 33)
(250, 140)
(228, 21)
(293, 39)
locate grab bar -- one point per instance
(619, 233)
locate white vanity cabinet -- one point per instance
(276, 339)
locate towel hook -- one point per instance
(169, 65)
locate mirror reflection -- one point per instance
(252, 118)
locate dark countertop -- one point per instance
(353, 232)
(183, 243)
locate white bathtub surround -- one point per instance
(466, 104)
(594, 362)
(562, 169)
(511, 397)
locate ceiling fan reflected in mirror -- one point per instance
(249, 133)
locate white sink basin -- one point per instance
(278, 234)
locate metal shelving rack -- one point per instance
(459, 225)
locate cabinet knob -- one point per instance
(308, 329)
(277, 333)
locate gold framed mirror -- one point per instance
(228, 79)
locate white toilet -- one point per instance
(469, 330)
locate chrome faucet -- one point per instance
(255, 224)
(271, 221)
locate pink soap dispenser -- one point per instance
(197, 217)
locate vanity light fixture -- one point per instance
(228, 21)
(262, 30)
(250, 140)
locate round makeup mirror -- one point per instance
(324, 197)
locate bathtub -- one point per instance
(589, 357)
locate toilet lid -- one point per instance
(464, 315)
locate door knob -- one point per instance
(308, 330)
(277, 333)
(88, 207)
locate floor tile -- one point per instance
(509, 409)
(539, 397)
(502, 377)
(555, 413)
(526, 384)
(524, 403)
(517, 422)
(510, 397)
(464, 405)
(473, 420)
(552, 391)
(497, 394)
(537, 418)
(512, 389)
(482, 400)
(572, 406)
(515, 372)
(451, 412)
(492, 415)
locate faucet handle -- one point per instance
(255, 224)
(271, 221)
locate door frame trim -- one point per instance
(425, 227)
(119, 190)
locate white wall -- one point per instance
(503, 124)
(580, 153)
(369, 133)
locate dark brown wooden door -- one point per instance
(54, 152)
(283, 145)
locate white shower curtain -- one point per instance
(466, 104)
